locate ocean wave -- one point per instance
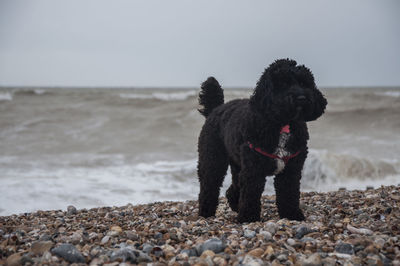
(6, 96)
(395, 94)
(111, 180)
(325, 171)
(30, 91)
(162, 96)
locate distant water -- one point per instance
(96, 147)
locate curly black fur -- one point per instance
(286, 94)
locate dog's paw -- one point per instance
(234, 206)
(295, 215)
(248, 218)
(206, 213)
(233, 198)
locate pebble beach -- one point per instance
(360, 227)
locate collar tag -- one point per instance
(285, 129)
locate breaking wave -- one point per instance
(162, 96)
(6, 96)
(93, 147)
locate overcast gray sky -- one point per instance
(180, 43)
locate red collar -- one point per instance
(284, 129)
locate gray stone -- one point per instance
(271, 227)
(308, 239)
(282, 257)
(125, 253)
(71, 210)
(69, 253)
(344, 248)
(303, 230)
(104, 240)
(147, 248)
(249, 233)
(252, 261)
(158, 235)
(26, 259)
(143, 257)
(267, 235)
(291, 241)
(214, 244)
(190, 252)
(312, 260)
(45, 237)
(132, 235)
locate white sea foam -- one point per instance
(162, 96)
(101, 180)
(83, 147)
(389, 93)
(325, 171)
(54, 187)
(139, 96)
(39, 91)
(6, 96)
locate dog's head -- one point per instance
(286, 92)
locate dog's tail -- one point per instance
(211, 96)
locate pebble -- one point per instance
(265, 235)
(214, 244)
(312, 260)
(257, 252)
(105, 239)
(207, 253)
(69, 253)
(282, 257)
(303, 230)
(249, 233)
(271, 227)
(14, 260)
(252, 261)
(344, 248)
(40, 247)
(342, 228)
(125, 253)
(147, 248)
(115, 231)
(190, 252)
(71, 210)
(132, 235)
(291, 241)
(360, 231)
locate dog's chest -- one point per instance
(281, 151)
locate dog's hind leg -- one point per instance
(233, 192)
(212, 166)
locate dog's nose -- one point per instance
(301, 100)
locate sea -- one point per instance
(91, 147)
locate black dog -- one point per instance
(258, 137)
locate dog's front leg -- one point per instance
(254, 169)
(287, 189)
(251, 189)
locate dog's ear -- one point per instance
(305, 75)
(273, 76)
(280, 71)
(319, 104)
(262, 94)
